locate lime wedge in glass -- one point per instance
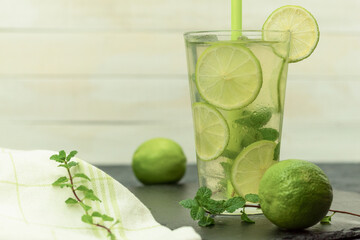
(228, 76)
(211, 131)
(302, 26)
(251, 164)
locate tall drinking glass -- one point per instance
(237, 90)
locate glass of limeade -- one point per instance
(237, 87)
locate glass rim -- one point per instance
(230, 31)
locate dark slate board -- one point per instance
(163, 200)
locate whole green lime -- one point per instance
(295, 194)
(158, 161)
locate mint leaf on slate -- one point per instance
(254, 198)
(245, 217)
(188, 203)
(213, 206)
(206, 221)
(203, 193)
(232, 204)
(327, 219)
(197, 212)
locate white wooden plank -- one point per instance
(95, 99)
(321, 142)
(94, 53)
(91, 53)
(165, 99)
(115, 144)
(134, 15)
(98, 144)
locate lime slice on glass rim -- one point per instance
(228, 76)
(211, 131)
(250, 165)
(302, 26)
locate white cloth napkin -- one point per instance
(31, 208)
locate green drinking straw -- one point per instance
(236, 18)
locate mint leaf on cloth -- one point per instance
(38, 210)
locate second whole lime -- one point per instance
(295, 194)
(159, 161)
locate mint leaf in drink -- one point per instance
(188, 203)
(245, 218)
(232, 204)
(255, 119)
(251, 135)
(229, 154)
(206, 221)
(277, 152)
(269, 134)
(87, 219)
(254, 198)
(71, 201)
(81, 175)
(60, 180)
(261, 117)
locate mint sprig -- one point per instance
(203, 208)
(81, 193)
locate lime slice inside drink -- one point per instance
(211, 131)
(251, 164)
(228, 76)
(302, 26)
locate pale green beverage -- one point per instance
(237, 90)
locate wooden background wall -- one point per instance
(101, 76)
